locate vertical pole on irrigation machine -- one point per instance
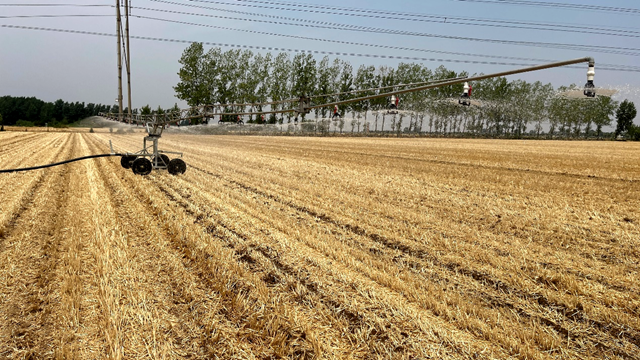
(118, 36)
(128, 59)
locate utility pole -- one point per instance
(128, 57)
(118, 25)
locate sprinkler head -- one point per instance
(589, 87)
(465, 98)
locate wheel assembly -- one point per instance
(127, 161)
(177, 166)
(163, 160)
(141, 166)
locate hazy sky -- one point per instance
(78, 67)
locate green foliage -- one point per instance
(24, 123)
(146, 110)
(39, 112)
(625, 115)
(192, 86)
(633, 132)
(509, 108)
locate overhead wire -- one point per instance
(48, 16)
(327, 25)
(275, 2)
(371, 45)
(559, 5)
(60, 5)
(441, 19)
(333, 7)
(270, 48)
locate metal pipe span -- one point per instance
(458, 81)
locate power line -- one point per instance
(49, 16)
(68, 5)
(259, 47)
(631, 11)
(440, 19)
(332, 7)
(374, 45)
(334, 26)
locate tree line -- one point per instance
(30, 111)
(507, 108)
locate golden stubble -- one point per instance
(279, 247)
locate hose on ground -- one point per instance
(58, 163)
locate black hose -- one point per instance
(58, 163)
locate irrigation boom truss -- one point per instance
(151, 157)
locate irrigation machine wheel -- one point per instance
(127, 161)
(141, 166)
(162, 161)
(176, 167)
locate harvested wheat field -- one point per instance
(327, 248)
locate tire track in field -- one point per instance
(604, 251)
(356, 319)
(29, 151)
(577, 314)
(195, 262)
(453, 270)
(597, 245)
(36, 254)
(28, 195)
(243, 253)
(218, 229)
(289, 150)
(498, 302)
(186, 308)
(539, 279)
(15, 142)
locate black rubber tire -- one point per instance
(176, 167)
(141, 166)
(127, 161)
(163, 161)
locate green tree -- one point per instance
(146, 110)
(625, 115)
(603, 109)
(345, 86)
(325, 83)
(1, 123)
(192, 87)
(365, 79)
(303, 75)
(634, 132)
(279, 88)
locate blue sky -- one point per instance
(75, 67)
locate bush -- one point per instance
(91, 130)
(24, 123)
(633, 132)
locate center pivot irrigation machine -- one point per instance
(151, 158)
